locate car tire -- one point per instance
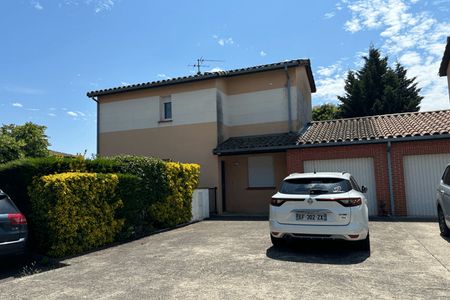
(445, 231)
(364, 245)
(277, 242)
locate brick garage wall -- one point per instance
(378, 152)
(401, 149)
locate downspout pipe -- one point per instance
(288, 86)
(391, 189)
(98, 123)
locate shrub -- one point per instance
(176, 208)
(16, 176)
(74, 212)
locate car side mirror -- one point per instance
(364, 189)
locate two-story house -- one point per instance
(196, 118)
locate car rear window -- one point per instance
(315, 186)
(5, 205)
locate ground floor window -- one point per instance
(260, 171)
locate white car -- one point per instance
(320, 206)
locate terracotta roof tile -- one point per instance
(377, 127)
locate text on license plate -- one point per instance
(310, 217)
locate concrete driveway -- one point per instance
(235, 260)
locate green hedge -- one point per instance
(74, 212)
(154, 193)
(16, 176)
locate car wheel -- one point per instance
(277, 242)
(364, 245)
(445, 231)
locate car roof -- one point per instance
(343, 175)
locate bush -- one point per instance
(74, 212)
(176, 208)
(16, 176)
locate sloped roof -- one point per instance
(257, 142)
(377, 127)
(445, 59)
(211, 75)
(433, 124)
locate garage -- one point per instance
(422, 175)
(361, 168)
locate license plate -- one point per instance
(311, 217)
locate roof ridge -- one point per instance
(378, 116)
(204, 75)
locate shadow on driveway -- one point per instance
(319, 252)
(19, 266)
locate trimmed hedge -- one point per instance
(16, 176)
(154, 193)
(74, 212)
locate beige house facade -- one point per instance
(185, 119)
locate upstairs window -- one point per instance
(166, 108)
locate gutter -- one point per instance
(391, 188)
(98, 123)
(288, 86)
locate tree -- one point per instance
(378, 89)
(325, 112)
(17, 141)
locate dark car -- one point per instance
(13, 228)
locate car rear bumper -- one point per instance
(352, 232)
(13, 247)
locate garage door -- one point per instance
(422, 175)
(361, 169)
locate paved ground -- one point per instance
(235, 260)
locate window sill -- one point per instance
(262, 188)
(165, 121)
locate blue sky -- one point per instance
(53, 52)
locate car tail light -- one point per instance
(347, 202)
(277, 202)
(17, 219)
(350, 202)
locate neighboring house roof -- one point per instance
(57, 153)
(211, 75)
(257, 143)
(372, 129)
(445, 59)
(402, 125)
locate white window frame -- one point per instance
(261, 172)
(163, 101)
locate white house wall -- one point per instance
(187, 108)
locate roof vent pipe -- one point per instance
(288, 86)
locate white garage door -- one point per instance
(361, 169)
(422, 175)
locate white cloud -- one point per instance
(80, 113)
(222, 41)
(98, 5)
(17, 104)
(329, 15)
(37, 5)
(414, 38)
(124, 83)
(52, 114)
(262, 53)
(410, 58)
(33, 109)
(72, 114)
(163, 76)
(216, 69)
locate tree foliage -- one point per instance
(325, 112)
(18, 141)
(379, 89)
